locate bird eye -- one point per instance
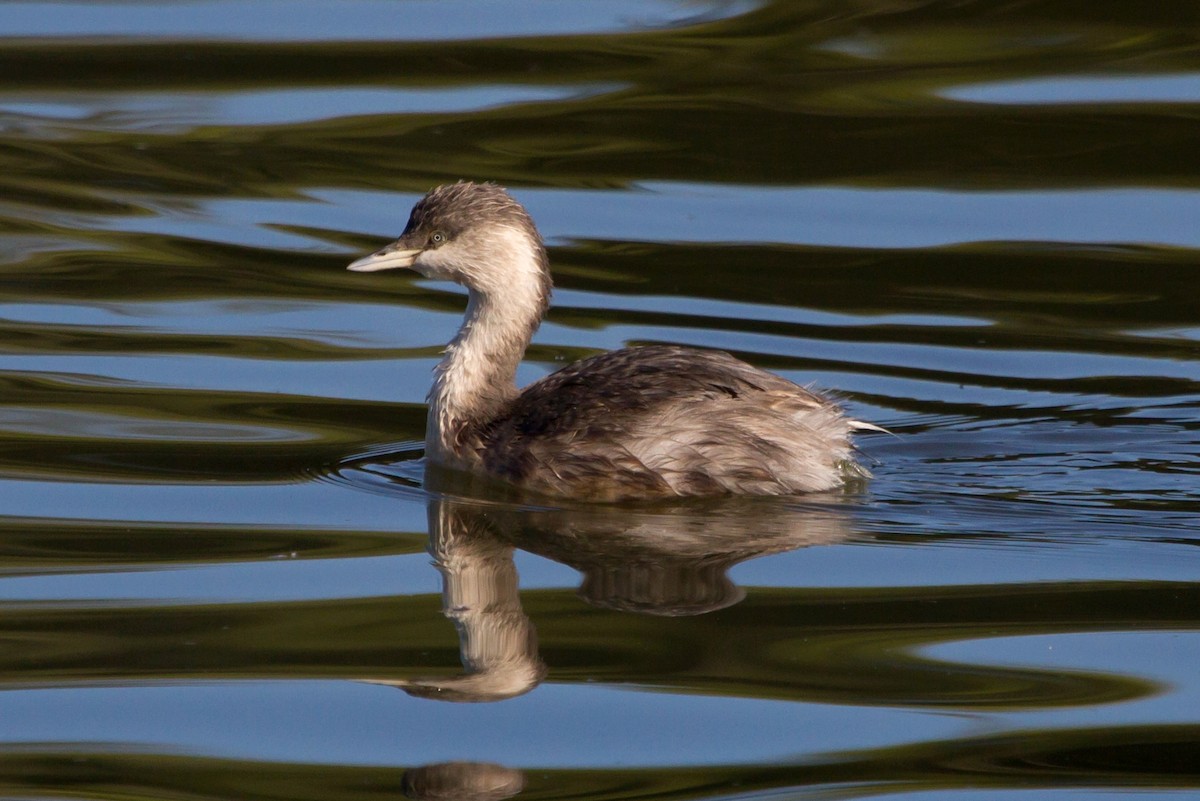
(437, 238)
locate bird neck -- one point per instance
(477, 376)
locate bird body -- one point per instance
(646, 422)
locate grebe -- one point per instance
(637, 423)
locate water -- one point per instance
(978, 221)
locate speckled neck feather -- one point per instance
(508, 287)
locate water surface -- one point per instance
(225, 572)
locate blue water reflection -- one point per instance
(349, 20)
(557, 726)
(1085, 89)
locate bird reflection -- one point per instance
(665, 560)
(670, 561)
(462, 781)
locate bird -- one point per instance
(640, 423)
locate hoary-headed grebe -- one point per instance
(644, 422)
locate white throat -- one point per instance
(476, 377)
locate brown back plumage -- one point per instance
(664, 420)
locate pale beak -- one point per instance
(386, 259)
